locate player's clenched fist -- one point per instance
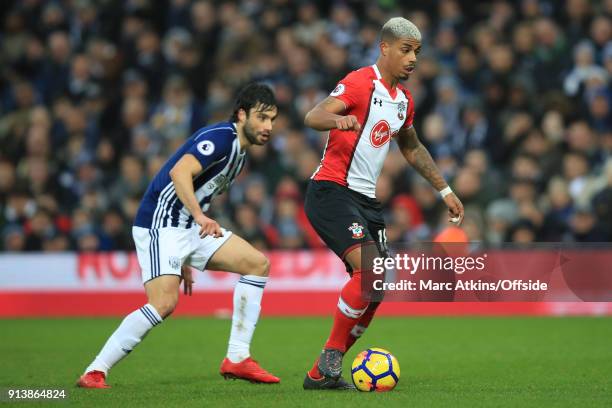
(348, 122)
(208, 226)
(455, 209)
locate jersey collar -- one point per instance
(377, 72)
(241, 152)
(392, 91)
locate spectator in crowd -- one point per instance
(513, 99)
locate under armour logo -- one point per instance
(378, 101)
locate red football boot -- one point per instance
(93, 379)
(248, 369)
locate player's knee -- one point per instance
(261, 266)
(353, 258)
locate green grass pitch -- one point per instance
(445, 362)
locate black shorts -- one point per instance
(344, 218)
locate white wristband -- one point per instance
(446, 191)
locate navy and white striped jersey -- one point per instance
(217, 148)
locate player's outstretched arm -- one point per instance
(182, 176)
(419, 158)
(327, 115)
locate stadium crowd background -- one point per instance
(513, 99)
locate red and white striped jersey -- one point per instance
(355, 159)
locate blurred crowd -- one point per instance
(513, 100)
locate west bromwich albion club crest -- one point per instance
(174, 262)
(357, 230)
(401, 108)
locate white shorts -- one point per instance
(162, 251)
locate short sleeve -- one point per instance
(210, 147)
(410, 114)
(351, 90)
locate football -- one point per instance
(375, 369)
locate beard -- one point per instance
(250, 134)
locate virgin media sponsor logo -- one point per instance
(380, 134)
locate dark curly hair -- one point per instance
(252, 95)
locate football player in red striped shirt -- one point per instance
(367, 109)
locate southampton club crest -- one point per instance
(357, 230)
(401, 109)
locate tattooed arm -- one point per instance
(417, 155)
(327, 115)
(419, 158)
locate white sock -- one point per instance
(130, 332)
(247, 304)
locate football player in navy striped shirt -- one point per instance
(173, 234)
